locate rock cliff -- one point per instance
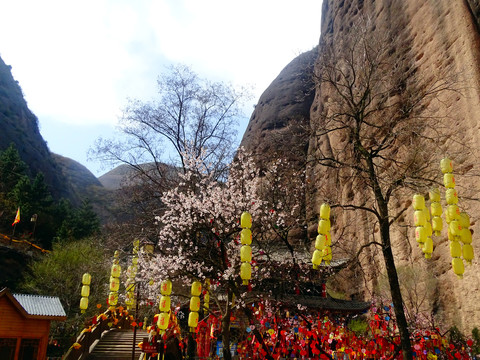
(435, 39)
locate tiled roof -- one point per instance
(38, 305)
(328, 303)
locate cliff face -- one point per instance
(18, 125)
(435, 38)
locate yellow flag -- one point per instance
(17, 217)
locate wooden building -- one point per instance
(25, 324)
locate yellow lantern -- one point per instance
(86, 279)
(458, 267)
(166, 287)
(112, 298)
(116, 269)
(418, 202)
(446, 165)
(163, 320)
(317, 258)
(135, 260)
(437, 225)
(206, 301)
(85, 290)
(193, 320)
(455, 228)
(434, 195)
(466, 236)
(325, 211)
(419, 218)
(449, 180)
(436, 209)
(427, 214)
(246, 236)
(194, 303)
(323, 226)
(196, 289)
(246, 220)
(467, 252)
(328, 238)
(464, 220)
(84, 304)
(428, 229)
(428, 247)
(246, 253)
(327, 254)
(245, 272)
(114, 283)
(165, 303)
(455, 249)
(451, 196)
(320, 242)
(420, 234)
(453, 212)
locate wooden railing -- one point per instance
(106, 321)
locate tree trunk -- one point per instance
(395, 289)
(226, 329)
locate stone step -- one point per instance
(117, 344)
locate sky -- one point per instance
(78, 62)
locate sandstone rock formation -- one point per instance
(435, 38)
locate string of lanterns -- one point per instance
(246, 250)
(85, 292)
(114, 281)
(323, 242)
(164, 305)
(458, 223)
(196, 290)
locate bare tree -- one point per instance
(190, 114)
(378, 131)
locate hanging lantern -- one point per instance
(112, 298)
(114, 283)
(455, 228)
(458, 267)
(246, 253)
(436, 209)
(325, 211)
(428, 248)
(246, 236)
(464, 220)
(246, 250)
(434, 195)
(449, 180)
(163, 320)
(419, 218)
(245, 272)
(420, 235)
(194, 303)
(83, 304)
(323, 241)
(467, 253)
(418, 202)
(206, 296)
(195, 290)
(246, 220)
(453, 212)
(193, 321)
(437, 225)
(451, 196)
(455, 249)
(446, 165)
(85, 292)
(116, 269)
(466, 236)
(166, 287)
(164, 304)
(317, 258)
